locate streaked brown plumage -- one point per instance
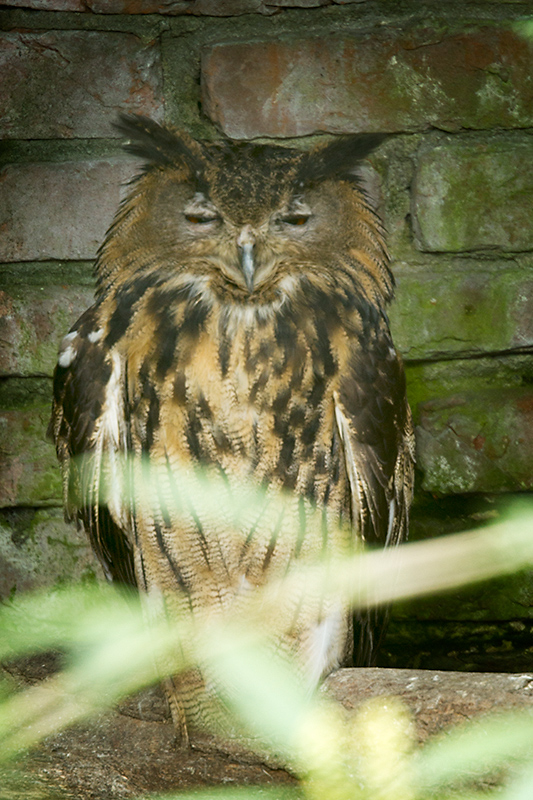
(239, 324)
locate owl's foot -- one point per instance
(177, 711)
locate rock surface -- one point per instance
(437, 699)
(131, 751)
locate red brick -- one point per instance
(33, 320)
(387, 81)
(72, 83)
(58, 210)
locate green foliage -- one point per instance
(110, 652)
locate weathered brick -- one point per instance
(28, 465)
(39, 549)
(71, 84)
(508, 598)
(47, 5)
(477, 442)
(388, 81)
(33, 320)
(210, 8)
(440, 314)
(475, 195)
(429, 380)
(59, 210)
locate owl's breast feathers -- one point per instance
(307, 395)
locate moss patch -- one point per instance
(39, 549)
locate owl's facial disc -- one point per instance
(289, 224)
(247, 252)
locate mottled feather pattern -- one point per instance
(240, 328)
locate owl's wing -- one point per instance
(375, 427)
(90, 431)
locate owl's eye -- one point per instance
(296, 219)
(201, 219)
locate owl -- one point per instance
(240, 332)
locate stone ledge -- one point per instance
(134, 751)
(436, 699)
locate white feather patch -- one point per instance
(67, 352)
(113, 413)
(390, 527)
(67, 357)
(110, 445)
(95, 336)
(349, 458)
(325, 646)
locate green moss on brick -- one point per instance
(29, 465)
(440, 313)
(38, 549)
(475, 195)
(477, 441)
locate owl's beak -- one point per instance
(246, 244)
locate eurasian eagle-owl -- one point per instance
(239, 325)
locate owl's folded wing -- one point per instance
(375, 427)
(90, 434)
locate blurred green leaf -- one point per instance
(520, 788)
(237, 793)
(115, 643)
(481, 747)
(243, 669)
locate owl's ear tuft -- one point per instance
(159, 145)
(337, 158)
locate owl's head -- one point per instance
(247, 218)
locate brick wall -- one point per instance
(452, 83)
